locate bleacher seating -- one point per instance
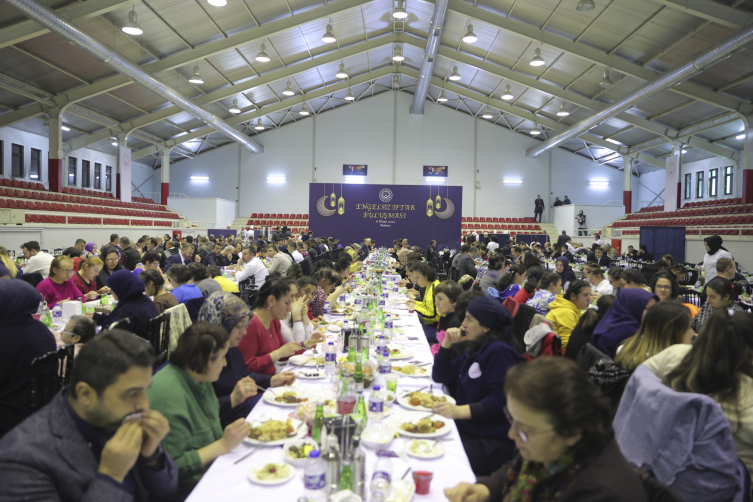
(39, 203)
(491, 225)
(297, 223)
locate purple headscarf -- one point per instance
(89, 247)
(622, 320)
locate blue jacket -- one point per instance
(47, 458)
(133, 304)
(478, 379)
(223, 387)
(175, 259)
(187, 292)
(687, 443)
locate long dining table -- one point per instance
(226, 481)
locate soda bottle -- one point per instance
(358, 375)
(316, 429)
(352, 354)
(360, 414)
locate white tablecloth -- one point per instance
(227, 482)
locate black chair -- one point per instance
(692, 297)
(454, 274)
(124, 324)
(193, 306)
(50, 373)
(247, 288)
(33, 278)
(158, 335)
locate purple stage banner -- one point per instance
(383, 213)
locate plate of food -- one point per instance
(426, 449)
(297, 452)
(306, 360)
(333, 328)
(271, 473)
(421, 428)
(413, 371)
(422, 401)
(289, 396)
(399, 353)
(275, 432)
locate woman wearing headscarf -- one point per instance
(622, 320)
(133, 304)
(476, 379)
(89, 250)
(714, 251)
(565, 272)
(23, 339)
(236, 387)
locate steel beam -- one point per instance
(711, 11)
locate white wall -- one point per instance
(705, 166)
(395, 145)
(596, 217)
(140, 173)
(213, 212)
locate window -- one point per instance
(108, 178)
(728, 180)
(2, 158)
(17, 161)
(688, 186)
(34, 167)
(699, 185)
(713, 178)
(98, 176)
(72, 161)
(85, 174)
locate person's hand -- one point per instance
(451, 337)
(296, 309)
(244, 388)
(288, 349)
(104, 291)
(595, 295)
(91, 295)
(315, 322)
(120, 453)
(281, 379)
(402, 283)
(63, 301)
(155, 427)
(446, 409)
(412, 293)
(315, 338)
(234, 434)
(466, 492)
(410, 304)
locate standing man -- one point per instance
(130, 256)
(557, 202)
(538, 208)
(566, 202)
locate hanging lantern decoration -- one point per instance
(429, 205)
(333, 197)
(438, 200)
(340, 201)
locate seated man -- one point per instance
(85, 444)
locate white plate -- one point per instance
(298, 462)
(398, 418)
(403, 399)
(302, 431)
(270, 482)
(403, 355)
(436, 452)
(270, 395)
(428, 372)
(303, 360)
(334, 328)
(402, 306)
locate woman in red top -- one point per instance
(533, 276)
(86, 277)
(263, 344)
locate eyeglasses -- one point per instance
(522, 435)
(66, 271)
(663, 287)
(111, 260)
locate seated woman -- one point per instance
(59, 287)
(326, 279)
(111, 260)
(86, 277)
(79, 330)
(721, 294)
(509, 284)
(183, 393)
(8, 268)
(182, 282)
(565, 310)
(150, 261)
(154, 286)
(664, 285)
(297, 327)
(426, 277)
(236, 386)
(562, 427)
(623, 319)
(583, 331)
(445, 295)
(717, 364)
(132, 304)
(531, 284)
(263, 346)
(549, 287)
(566, 273)
(496, 269)
(476, 379)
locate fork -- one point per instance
(244, 457)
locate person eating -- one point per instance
(110, 256)
(132, 304)
(721, 294)
(86, 277)
(154, 286)
(426, 277)
(58, 286)
(326, 279)
(565, 310)
(181, 280)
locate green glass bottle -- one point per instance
(365, 354)
(346, 477)
(316, 429)
(358, 375)
(360, 414)
(352, 354)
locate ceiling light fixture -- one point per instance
(537, 59)
(434, 179)
(535, 131)
(276, 179)
(614, 141)
(113, 141)
(132, 26)
(487, 114)
(259, 126)
(66, 128)
(442, 98)
(329, 35)
(397, 54)
(606, 81)
(217, 3)
(454, 76)
(304, 110)
(288, 90)
(507, 95)
(684, 151)
(563, 112)
(740, 136)
(262, 57)
(399, 12)
(469, 36)
(585, 5)
(200, 178)
(513, 182)
(196, 78)
(599, 183)
(341, 73)
(234, 108)
(349, 96)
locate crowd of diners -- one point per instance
(511, 339)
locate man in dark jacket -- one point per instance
(216, 257)
(431, 251)
(557, 202)
(184, 257)
(538, 208)
(466, 265)
(83, 445)
(130, 256)
(566, 202)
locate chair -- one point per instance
(194, 305)
(48, 374)
(124, 324)
(692, 297)
(247, 288)
(454, 274)
(158, 335)
(33, 278)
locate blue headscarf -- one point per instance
(622, 320)
(224, 309)
(126, 285)
(18, 299)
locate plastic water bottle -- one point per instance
(385, 366)
(388, 326)
(330, 359)
(698, 285)
(314, 478)
(57, 314)
(381, 480)
(327, 308)
(358, 303)
(341, 300)
(376, 403)
(381, 343)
